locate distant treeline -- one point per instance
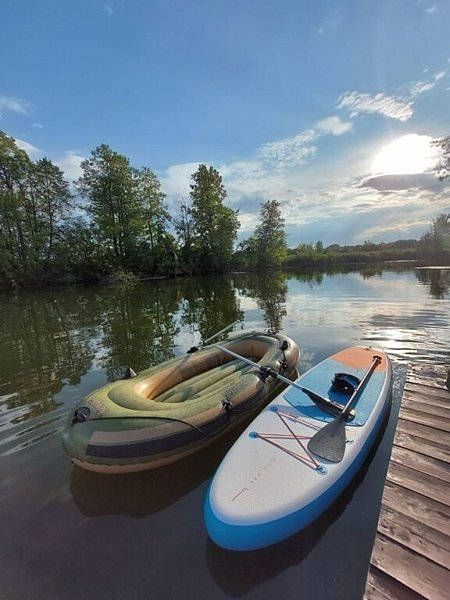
(114, 224)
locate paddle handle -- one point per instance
(375, 362)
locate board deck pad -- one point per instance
(319, 380)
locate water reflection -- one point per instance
(438, 281)
(42, 347)
(209, 304)
(140, 494)
(56, 344)
(137, 325)
(269, 290)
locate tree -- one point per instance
(107, 183)
(437, 239)
(443, 166)
(215, 224)
(155, 220)
(51, 201)
(34, 202)
(184, 227)
(270, 237)
(441, 225)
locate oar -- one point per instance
(325, 403)
(204, 342)
(329, 442)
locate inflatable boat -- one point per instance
(177, 407)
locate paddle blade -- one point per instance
(329, 442)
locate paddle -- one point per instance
(329, 442)
(324, 403)
(204, 342)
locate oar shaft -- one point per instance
(259, 367)
(219, 333)
(316, 398)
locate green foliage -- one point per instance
(270, 237)
(435, 244)
(267, 248)
(443, 166)
(107, 183)
(215, 225)
(34, 202)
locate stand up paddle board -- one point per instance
(298, 456)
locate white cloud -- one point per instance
(70, 164)
(333, 125)
(290, 151)
(393, 231)
(31, 150)
(419, 87)
(389, 106)
(12, 104)
(109, 10)
(405, 181)
(176, 180)
(37, 126)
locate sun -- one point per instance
(406, 155)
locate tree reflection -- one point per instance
(438, 281)
(209, 304)
(138, 326)
(44, 349)
(269, 289)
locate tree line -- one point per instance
(114, 223)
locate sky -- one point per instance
(327, 106)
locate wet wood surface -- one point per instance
(411, 552)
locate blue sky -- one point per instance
(327, 106)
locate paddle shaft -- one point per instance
(204, 342)
(375, 362)
(267, 370)
(219, 333)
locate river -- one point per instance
(70, 534)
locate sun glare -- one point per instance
(406, 155)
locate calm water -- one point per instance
(69, 534)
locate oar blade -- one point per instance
(329, 442)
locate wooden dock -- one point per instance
(411, 553)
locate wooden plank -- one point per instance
(421, 396)
(431, 513)
(422, 417)
(411, 554)
(431, 375)
(419, 462)
(419, 482)
(417, 536)
(422, 446)
(423, 431)
(383, 587)
(421, 404)
(436, 391)
(413, 570)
